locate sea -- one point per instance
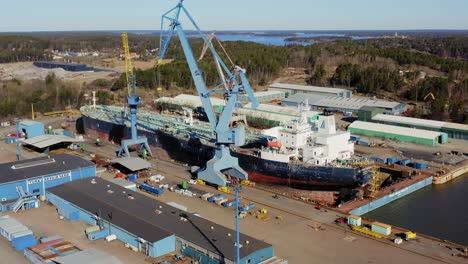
(437, 210)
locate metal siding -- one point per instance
(258, 256)
(163, 247)
(417, 140)
(121, 234)
(391, 197)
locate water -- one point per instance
(437, 210)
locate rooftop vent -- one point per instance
(110, 191)
(33, 163)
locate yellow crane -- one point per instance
(429, 94)
(128, 64)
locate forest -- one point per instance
(399, 68)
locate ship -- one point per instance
(297, 154)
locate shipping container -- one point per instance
(404, 162)
(363, 143)
(420, 165)
(151, 189)
(381, 228)
(206, 196)
(354, 220)
(392, 160)
(230, 203)
(23, 242)
(221, 201)
(213, 199)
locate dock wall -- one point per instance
(451, 175)
(391, 197)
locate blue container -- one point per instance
(151, 189)
(354, 138)
(363, 143)
(214, 198)
(392, 160)
(23, 242)
(420, 165)
(132, 177)
(231, 203)
(404, 162)
(67, 133)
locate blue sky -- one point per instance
(50, 15)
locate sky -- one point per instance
(66, 15)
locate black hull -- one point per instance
(193, 153)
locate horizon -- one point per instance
(244, 30)
(335, 15)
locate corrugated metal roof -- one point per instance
(354, 102)
(132, 163)
(45, 141)
(26, 169)
(456, 126)
(138, 216)
(404, 131)
(408, 121)
(300, 98)
(308, 88)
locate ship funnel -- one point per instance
(326, 124)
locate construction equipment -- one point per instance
(133, 101)
(234, 83)
(409, 235)
(224, 189)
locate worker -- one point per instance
(144, 153)
(98, 141)
(83, 147)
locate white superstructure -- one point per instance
(297, 140)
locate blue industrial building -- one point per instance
(150, 226)
(30, 178)
(31, 128)
(65, 66)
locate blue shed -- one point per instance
(31, 128)
(34, 176)
(153, 227)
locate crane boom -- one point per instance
(131, 85)
(222, 163)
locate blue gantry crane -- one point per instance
(231, 86)
(133, 101)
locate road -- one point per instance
(295, 237)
